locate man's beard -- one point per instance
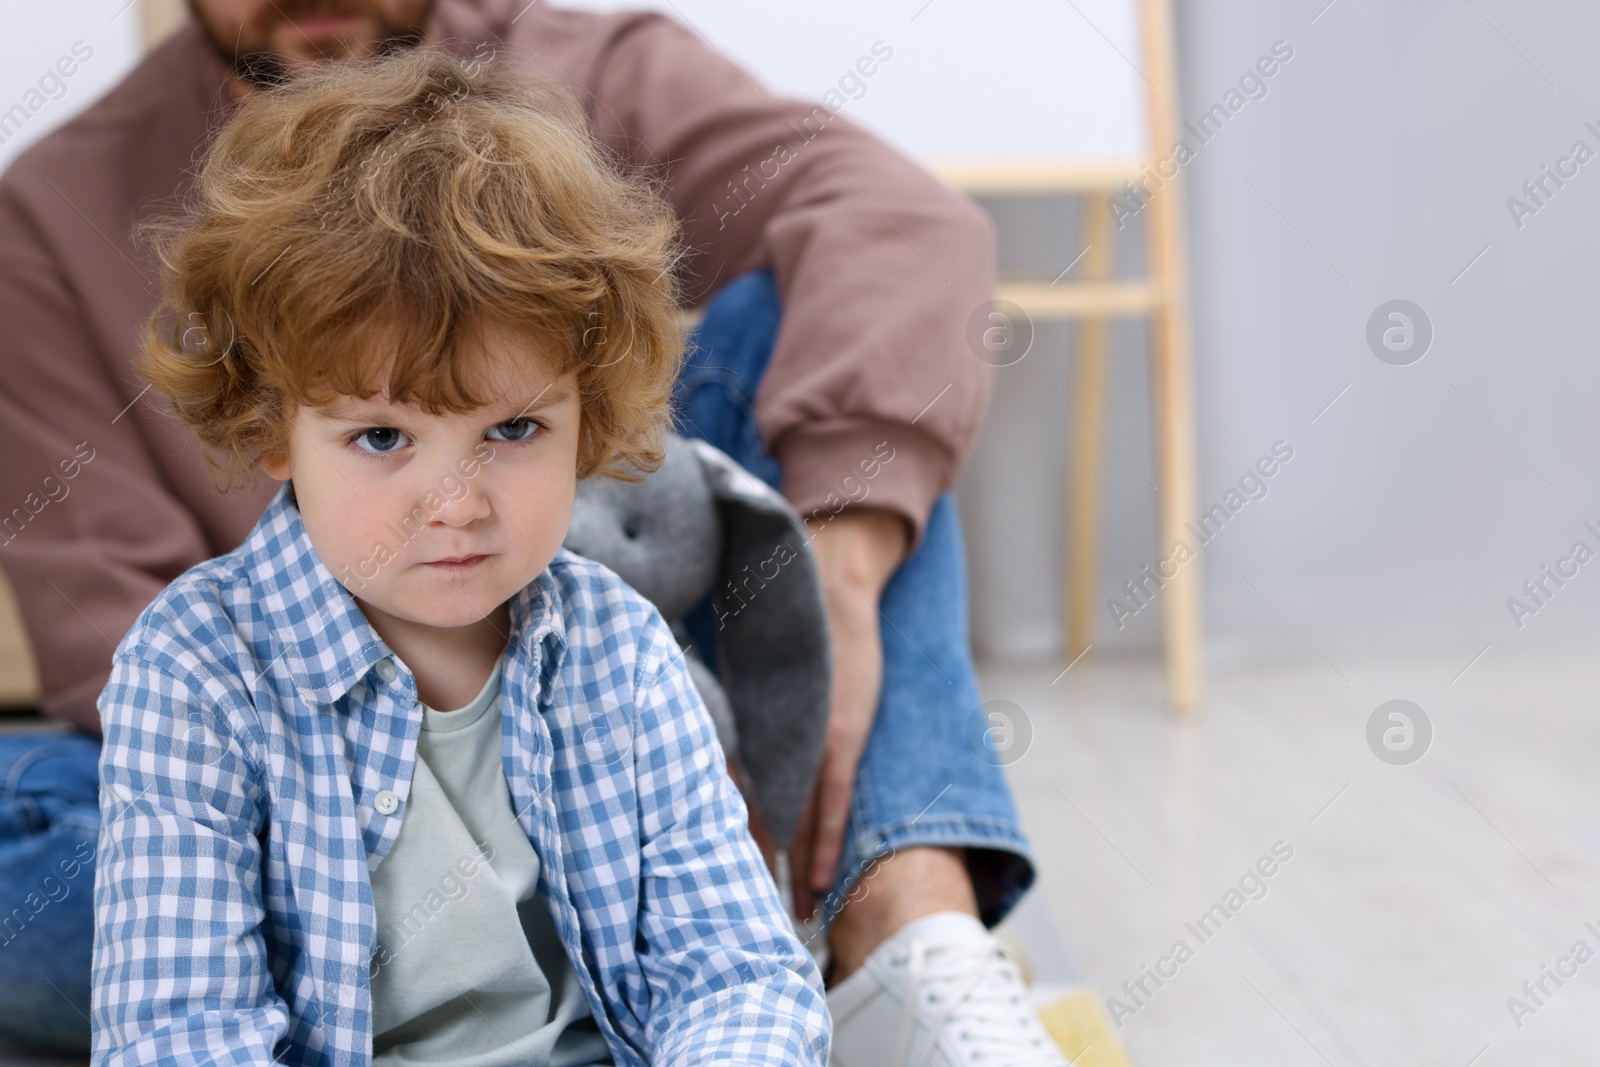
(266, 69)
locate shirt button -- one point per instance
(386, 669)
(386, 802)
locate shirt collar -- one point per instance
(326, 643)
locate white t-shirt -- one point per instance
(473, 972)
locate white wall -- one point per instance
(1424, 498)
(36, 37)
(968, 80)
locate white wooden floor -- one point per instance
(1418, 899)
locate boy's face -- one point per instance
(391, 495)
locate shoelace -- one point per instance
(982, 982)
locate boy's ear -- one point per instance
(276, 464)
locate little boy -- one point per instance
(401, 779)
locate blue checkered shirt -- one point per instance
(257, 734)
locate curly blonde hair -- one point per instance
(396, 204)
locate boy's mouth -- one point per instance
(459, 563)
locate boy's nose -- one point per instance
(460, 502)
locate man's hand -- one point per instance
(856, 553)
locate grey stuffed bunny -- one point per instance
(700, 522)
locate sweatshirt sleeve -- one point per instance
(879, 265)
(89, 531)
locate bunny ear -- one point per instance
(772, 641)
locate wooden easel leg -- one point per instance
(1175, 476)
(1086, 491)
(1174, 401)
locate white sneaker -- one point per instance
(940, 993)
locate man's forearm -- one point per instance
(863, 546)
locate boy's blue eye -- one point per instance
(383, 438)
(521, 428)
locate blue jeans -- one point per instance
(924, 778)
(49, 821)
(928, 775)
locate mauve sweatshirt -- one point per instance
(103, 498)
